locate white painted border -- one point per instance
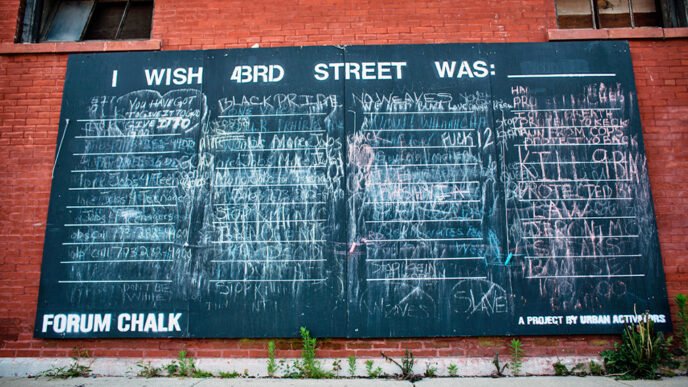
(467, 366)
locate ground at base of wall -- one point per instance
(537, 381)
(246, 368)
(257, 367)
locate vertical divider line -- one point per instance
(347, 228)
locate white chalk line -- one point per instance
(273, 167)
(268, 203)
(123, 170)
(422, 202)
(566, 181)
(421, 130)
(425, 279)
(424, 182)
(270, 115)
(450, 112)
(59, 147)
(584, 256)
(118, 243)
(577, 218)
(383, 166)
(426, 259)
(268, 185)
(424, 147)
(422, 220)
(132, 136)
(604, 162)
(586, 276)
(423, 240)
(272, 221)
(119, 261)
(131, 119)
(266, 261)
(268, 132)
(606, 144)
(567, 126)
(132, 187)
(125, 153)
(572, 75)
(565, 110)
(573, 199)
(117, 224)
(273, 280)
(315, 148)
(124, 206)
(592, 237)
(275, 241)
(112, 281)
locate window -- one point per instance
(60, 20)
(621, 13)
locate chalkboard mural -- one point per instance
(364, 191)
(271, 239)
(423, 194)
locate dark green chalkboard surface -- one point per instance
(362, 191)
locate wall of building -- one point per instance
(30, 98)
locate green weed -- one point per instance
(272, 366)
(74, 370)
(185, 367)
(560, 369)
(229, 375)
(640, 354)
(406, 366)
(147, 370)
(336, 366)
(430, 370)
(352, 366)
(516, 356)
(372, 372)
(307, 366)
(595, 368)
(499, 372)
(682, 329)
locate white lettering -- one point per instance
(173, 324)
(60, 323)
(155, 76)
(198, 75)
(151, 323)
(123, 322)
(321, 73)
(444, 69)
(47, 321)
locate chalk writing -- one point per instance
(435, 190)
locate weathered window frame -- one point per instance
(39, 15)
(674, 13)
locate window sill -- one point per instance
(617, 33)
(75, 47)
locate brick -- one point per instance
(576, 34)
(31, 82)
(676, 32)
(636, 33)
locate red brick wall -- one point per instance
(30, 97)
(9, 17)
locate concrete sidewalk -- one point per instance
(534, 381)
